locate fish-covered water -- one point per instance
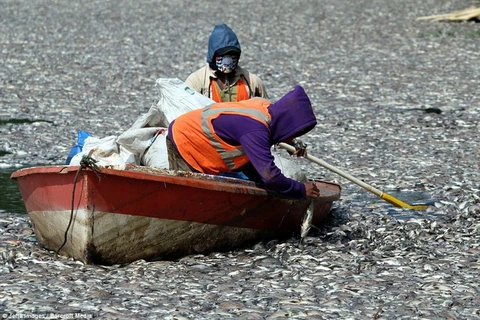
(397, 106)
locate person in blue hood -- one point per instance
(238, 136)
(222, 79)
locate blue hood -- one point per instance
(292, 116)
(222, 37)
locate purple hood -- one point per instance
(292, 116)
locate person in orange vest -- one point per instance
(222, 79)
(238, 136)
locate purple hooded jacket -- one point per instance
(291, 116)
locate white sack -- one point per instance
(156, 155)
(177, 98)
(106, 152)
(146, 137)
(138, 140)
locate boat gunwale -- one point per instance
(190, 179)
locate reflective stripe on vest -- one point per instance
(211, 112)
(242, 92)
(202, 148)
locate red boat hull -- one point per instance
(119, 216)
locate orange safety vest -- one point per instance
(202, 148)
(242, 93)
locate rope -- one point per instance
(86, 162)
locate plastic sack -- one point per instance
(156, 155)
(289, 166)
(177, 98)
(143, 138)
(106, 152)
(81, 136)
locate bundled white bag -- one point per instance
(156, 155)
(106, 152)
(146, 138)
(177, 98)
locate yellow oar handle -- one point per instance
(399, 203)
(383, 195)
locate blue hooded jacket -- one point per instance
(221, 41)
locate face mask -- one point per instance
(227, 63)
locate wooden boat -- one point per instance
(119, 216)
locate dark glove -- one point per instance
(300, 148)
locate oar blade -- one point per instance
(399, 203)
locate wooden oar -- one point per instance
(391, 199)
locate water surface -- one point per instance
(10, 199)
(411, 197)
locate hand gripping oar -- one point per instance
(391, 199)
